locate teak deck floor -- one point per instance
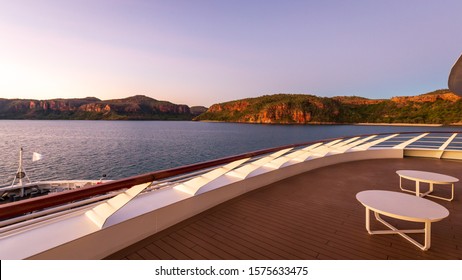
(314, 215)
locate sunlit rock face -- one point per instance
(437, 107)
(137, 107)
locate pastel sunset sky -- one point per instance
(202, 52)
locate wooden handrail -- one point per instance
(17, 208)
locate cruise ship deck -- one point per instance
(314, 215)
(292, 202)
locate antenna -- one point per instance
(21, 173)
(102, 177)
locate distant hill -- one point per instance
(438, 107)
(197, 110)
(137, 107)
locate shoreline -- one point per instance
(404, 124)
(215, 121)
(330, 123)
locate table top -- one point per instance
(402, 206)
(428, 177)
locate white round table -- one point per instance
(402, 207)
(427, 177)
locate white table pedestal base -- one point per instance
(393, 230)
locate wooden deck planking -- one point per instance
(147, 255)
(180, 245)
(248, 243)
(304, 242)
(260, 244)
(158, 252)
(320, 234)
(212, 244)
(289, 234)
(203, 247)
(237, 250)
(314, 215)
(171, 249)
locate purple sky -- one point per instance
(204, 52)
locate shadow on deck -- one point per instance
(314, 215)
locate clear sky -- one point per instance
(199, 52)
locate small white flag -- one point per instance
(36, 156)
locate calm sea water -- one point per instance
(88, 149)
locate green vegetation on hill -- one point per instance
(438, 107)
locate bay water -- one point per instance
(75, 150)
